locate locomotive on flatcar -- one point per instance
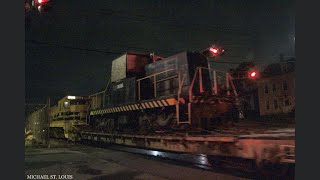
(175, 92)
(169, 104)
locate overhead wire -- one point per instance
(117, 53)
(156, 20)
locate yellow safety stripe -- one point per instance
(139, 106)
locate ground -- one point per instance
(83, 162)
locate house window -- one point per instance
(267, 105)
(275, 104)
(285, 85)
(287, 102)
(274, 87)
(266, 89)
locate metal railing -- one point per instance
(155, 81)
(94, 97)
(213, 82)
(204, 83)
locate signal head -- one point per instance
(213, 51)
(253, 74)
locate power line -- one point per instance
(167, 22)
(160, 20)
(102, 51)
(92, 50)
(71, 47)
(109, 52)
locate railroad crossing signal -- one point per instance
(213, 51)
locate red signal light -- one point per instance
(253, 74)
(214, 50)
(42, 1)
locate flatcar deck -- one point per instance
(273, 144)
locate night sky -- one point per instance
(70, 49)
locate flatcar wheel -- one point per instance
(268, 168)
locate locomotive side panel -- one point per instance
(123, 92)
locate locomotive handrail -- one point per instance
(213, 69)
(232, 85)
(155, 74)
(215, 89)
(154, 82)
(192, 83)
(180, 84)
(95, 105)
(95, 94)
(101, 92)
(165, 79)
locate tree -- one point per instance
(241, 80)
(246, 87)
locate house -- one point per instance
(276, 89)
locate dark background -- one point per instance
(69, 50)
